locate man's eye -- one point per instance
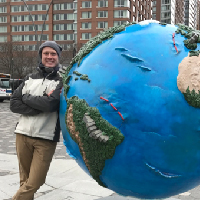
(52, 54)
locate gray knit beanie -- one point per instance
(51, 44)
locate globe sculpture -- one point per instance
(129, 109)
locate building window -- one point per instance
(3, 1)
(75, 5)
(121, 3)
(103, 14)
(69, 16)
(16, 38)
(102, 24)
(86, 4)
(38, 27)
(64, 6)
(166, 15)
(102, 3)
(28, 37)
(22, 8)
(3, 10)
(44, 7)
(86, 36)
(56, 7)
(3, 19)
(165, 1)
(121, 14)
(44, 37)
(117, 23)
(154, 9)
(27, 18)
(62, 37)
(58, 27)
(166, 7)
(75, 16)
(3, 29)
(3, 38)
(62, 27)
(86, 15)
(86, 25)
(75, 27)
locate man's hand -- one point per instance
(50, 93)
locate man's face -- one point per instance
(49, 57)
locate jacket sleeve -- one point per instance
(45, 103)
(17, 105)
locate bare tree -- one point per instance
(24, 62)
(66, 57)
(16, 60)
(6, 57)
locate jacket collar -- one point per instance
(41, 69)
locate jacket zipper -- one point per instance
(46, 77)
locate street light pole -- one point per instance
(12, 74)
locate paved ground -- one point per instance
(65, 180)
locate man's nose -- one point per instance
(49, 55)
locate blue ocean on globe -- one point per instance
(129, 85)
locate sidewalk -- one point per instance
(65, 181)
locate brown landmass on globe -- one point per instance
(189, 74)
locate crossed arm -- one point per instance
(32, 105)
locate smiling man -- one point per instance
(38, 130)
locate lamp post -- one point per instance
(12, 74)
(74, 49)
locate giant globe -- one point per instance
(129, 109)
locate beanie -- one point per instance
(51, 44)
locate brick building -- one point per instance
(69, 22)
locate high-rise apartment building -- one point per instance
(176, 11)
(164, 11)
(180, 12)
(191, 13)
(198, 15)
(69, 22)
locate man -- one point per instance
(38, 130)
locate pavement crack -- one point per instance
(51, 186)
(5, 172)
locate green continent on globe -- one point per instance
(87, 48)
(192, 98)
(95, 149)
(145, 70)
(193, 37)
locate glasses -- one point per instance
(52, 54)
